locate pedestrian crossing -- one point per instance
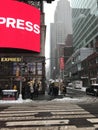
(46, 116)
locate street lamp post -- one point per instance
(20, 92)
(54, 73)
(20, 89)
(59, 93)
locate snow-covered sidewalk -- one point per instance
(15, 101)
(63, 99)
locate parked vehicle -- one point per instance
(69, 84)
(92, 90)
(77, 84)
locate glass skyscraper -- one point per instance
(85, 23)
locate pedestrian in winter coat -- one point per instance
(36, 88)
(27, 91)
(31, 89)
(64, 88)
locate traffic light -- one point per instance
(49, 1)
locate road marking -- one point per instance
(93, 120)
(62, 117)
(71, 112)
(45, 122)
(17, 114)
(7, 112)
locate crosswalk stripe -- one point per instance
(7, 112)
(17, 114)
(45, 122)
(31, 117)
(93, 120)
(73, 112)
(41, 110)
(38, 118)
(96, 126)
(33, 113)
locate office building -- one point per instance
(85, 38)
(59, 30)
(85, 23)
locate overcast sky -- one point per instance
(49, 10)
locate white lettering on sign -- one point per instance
(20, 24)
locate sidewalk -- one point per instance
(42, 97)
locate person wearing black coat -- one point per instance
(36, 88)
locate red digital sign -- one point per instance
(19, 25)
(61, 63)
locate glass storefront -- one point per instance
(13, 69)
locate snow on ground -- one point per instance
(67, 99)
(15, 101)
(64, 99)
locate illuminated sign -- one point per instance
(19, 25)
(61, 63)
(11, 59)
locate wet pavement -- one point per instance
(48, 115)
(51, 113)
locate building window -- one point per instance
(39, 68)
(97, 3)
(5, 68)
(24, 68)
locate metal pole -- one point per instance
(41, 6)
(20, 92)
(59, 86)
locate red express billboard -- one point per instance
(19, 25)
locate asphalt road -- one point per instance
(51, 114)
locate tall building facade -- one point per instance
(85, 23)
(63, 15)
(85, 41)
(59, 30)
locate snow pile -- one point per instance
(15, 101)
(10, 101)
(67, 99)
